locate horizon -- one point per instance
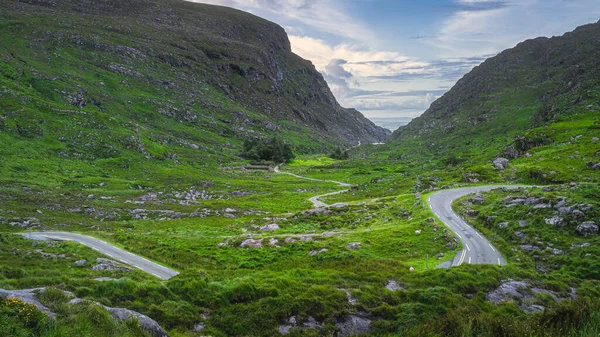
(394, 58)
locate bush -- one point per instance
(339, 154)
(273, 149)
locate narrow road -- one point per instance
(316, 200)
(109, 250)
(476, 248)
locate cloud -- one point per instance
(327, 16)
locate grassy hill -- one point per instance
(540, 98)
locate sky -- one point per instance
(393, 58)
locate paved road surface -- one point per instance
(107, 249)
(477, 249)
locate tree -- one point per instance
(274, 149)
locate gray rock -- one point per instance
(28, 296)
(580, 245)
(271, 227)
(530, 248)
(430, 220)
(105, 279)
(353, 325)
(477, 199)
(472, 212)
(555, 221)
(305, 238)
(521, 292)
(392, 285)
(251, 243)
(289, 240)
(503, 224)
(577, 215)
(587, 228)
(490, 219)
(198, 327)
(560, 204)
(523, 223)
(27, 190)
(79, 263)
(565, 210)
(547, 189)
(519, 235)
(273, 241)
(353, 245)
(144, 321)
(501, 163)
(106, 264)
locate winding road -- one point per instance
(476, 248)
(109, 250)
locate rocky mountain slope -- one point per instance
(539, 81)
(160, 74)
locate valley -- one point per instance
(170, 168)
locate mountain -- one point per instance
(97, 78)
(539, 82)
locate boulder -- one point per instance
(144, 321)
(587, 228)
(530, 248)
(577, 215)
(555, 221)
(251, 243)
(354, 325)
(79, 263)
(271, 227)
(392, 285)
(477, 199)
(472, 212)
(353, 245)
(501, 163)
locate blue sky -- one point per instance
(392, 58)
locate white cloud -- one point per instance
(327, 16)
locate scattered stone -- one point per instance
(392, 285)
(354, 325)
(521, 292)
(490, 219)
(418, 232)
(477, 199)
(106, 264)
(519, 235)
(501, 163)
(273, 241)
(439, 256)
(430, 220)
(472, 212)
(523, 223)
(27, 190)
(271, 227)
(503, 224)
(556, 221)
(587, 228)
(289, 240)
(580, 245)
(229, 210)
(105, 279)
(198, 327)
(577, 215)
(79, 263)
(353, 245)
(547, 189)
(314, 252)
(251, 243)
(530, 248)
(305, 238)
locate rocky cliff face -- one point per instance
(222, 69)
(538, 81)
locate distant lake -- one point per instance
(391, 123)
